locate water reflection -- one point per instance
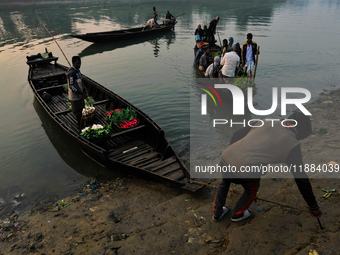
(69, 151)
(97, 48)
(22, 23)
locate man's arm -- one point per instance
(295, 159)
(73, 84)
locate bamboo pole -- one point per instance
(256, 61)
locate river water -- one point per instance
(298, 41)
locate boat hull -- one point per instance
(141, 150)
(122, 35)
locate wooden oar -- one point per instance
(219, 37)
(257, 59)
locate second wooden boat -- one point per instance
(125, 34)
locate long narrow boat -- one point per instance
(125, 34)
(141, 150)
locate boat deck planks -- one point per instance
(142, 149)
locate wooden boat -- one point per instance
(142, 150)
(96, 48)
(125, 34)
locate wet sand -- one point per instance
(137, 216)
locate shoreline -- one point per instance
(136, 216)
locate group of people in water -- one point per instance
(234, 59)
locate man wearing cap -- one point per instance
(260, 145)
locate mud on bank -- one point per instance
(137, 216)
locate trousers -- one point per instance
(248, 196)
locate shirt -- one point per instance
(230, 61)
(209, 71)
(249, 55)
(76, 88)
(204, 61)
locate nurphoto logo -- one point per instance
(238, 99)
(238, 105)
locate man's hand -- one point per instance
(315, 213)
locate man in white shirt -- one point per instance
(249, 50)
(212, 70)
(230, 61)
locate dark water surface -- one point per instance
(298, 41)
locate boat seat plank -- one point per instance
(173, 170)
(174, 173)
(102, 101)
(63, 112)
(143, 158)
(157, 166)
(51, 87)
(135, 155)
(125, 148)
(130, 130)
(130, 151)
(146, 162)
(136, 152)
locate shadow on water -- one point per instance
(69, 151)
(97, 48)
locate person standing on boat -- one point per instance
(230, 61)
(199, 33)
(155, 16)
(249, 50)
(271, 143)
(231, 42)
(169, 16)
(225, 47)
(212, 30)
(76, 90)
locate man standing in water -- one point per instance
(76, 90)
(271, 143)
(249, 50)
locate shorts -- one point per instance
(249, 67)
